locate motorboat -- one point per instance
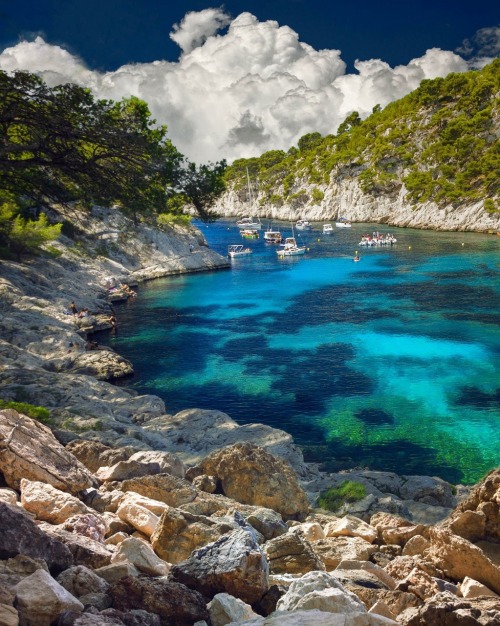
(237, 250)
(327, 229)
(290, 247)
(303, 225)
(343, 223)
(272, 236)
(249, 233)
(249, 223)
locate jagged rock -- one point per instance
(141, 555)
(351, 526)
(370, 567)
(395, 530)
(291, 554)
(179, 533)
(8, 495)
(135, 617)
(381, 608)
(48, 503)
(459, 558)
(420, 584)
(385, 555)
(267, 604)
(40, 600)
(12, 571)
(249, 474)
(89, 619)
(81, 581)
(114, 540)
(400, 567)
(103, 364)
(162, 487)
(115, 525)
(311, 531)
(205, 483)
(20, 535)
(94, 455)
(445, 609)
(473, 589)
(30, 451)
(225, 608)
(427, 489)
(125, 470)
(316, 618)
(173, 602)
(308, 583)
(138, 516)
(333, 550)
(89, 525)
(267, 522)
(234, 564)
(478, 516)
(168, 462)
(100, 601)
(85, 551)
(416, 545)
(116, 571)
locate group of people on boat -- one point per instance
(377, 239)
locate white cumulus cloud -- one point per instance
(253, 88)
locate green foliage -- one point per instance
(165, 219)
(349, 123)
(39, 413)
(309, 142)
(317, 195)
(335, 497)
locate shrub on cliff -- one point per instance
(39, 413)
(347, 491)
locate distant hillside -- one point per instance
(431, 154)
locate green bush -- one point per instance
(347, 491)
(39, 413)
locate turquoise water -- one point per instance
(391, 363)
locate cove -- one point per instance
(391, 363)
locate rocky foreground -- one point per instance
(121, 513)
(93, 535)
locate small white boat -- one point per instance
(343, 223)
(303, 225)
(327, 229)
(272, 236)
(249, 223)
(290, 248)
(237, 250)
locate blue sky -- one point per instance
(238, 79)
(110, 33)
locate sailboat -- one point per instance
(290, 247)
(248, 223)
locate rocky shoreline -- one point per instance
(196, 486)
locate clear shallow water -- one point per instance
(390, 363)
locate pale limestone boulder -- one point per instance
(400, 536)
(81, 581)
(368, 566)
(179, 532)
(30, 451)
(415, 546)
(470, 525)
(94, 454)
(249, 474)
(116, 571)
(400, 567)
(155, 506)
(138, 516)
(40, 600)
(473, 589)
(8, 495)
(333, 550)
(162, 487)
(168, 462)
(291, 554)
(420, 584)
(49, 503)
(351, 526)
(316, 618)
(115, 525)
(306, 584)
(102, 364)
(115, 539)
(448, 609)
(225, 608)
(141, 555)
(124, 470)
(381, 608)
(459, 558)
(8, 615)
(311, 531)
(267, 522)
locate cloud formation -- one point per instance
(254, 88)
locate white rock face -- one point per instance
(40, 599)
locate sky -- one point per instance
(236, 79)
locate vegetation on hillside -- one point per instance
(441, 141)
(61, 145)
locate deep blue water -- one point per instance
(391, 363)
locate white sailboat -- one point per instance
(248, 222)
(290, 247)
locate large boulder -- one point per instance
(40, 600)
(234, 564)
(175, 604)
(179, 532)
(94, 454)
(162, 487)
(224, 609)
(30, 450)
(333, 550)
(50, 504)
(313, 617)
(249, 474)
(459, 558)
(81, 581)
(138, 516)
(102, 364)
(445, 609)
(141, 555)
(85, 551)
(291, 554)
(350, 526)
(169, 463)
(20, 535)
